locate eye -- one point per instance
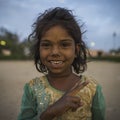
(45, 45)
(65, 44)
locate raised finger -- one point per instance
(78, 86)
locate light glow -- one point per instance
(3, 43)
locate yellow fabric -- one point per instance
(86, 95)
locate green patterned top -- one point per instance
(39, 94)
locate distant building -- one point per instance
(6, 52)
(95, 53)
(26, 51)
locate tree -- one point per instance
(12, 42)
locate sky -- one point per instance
(101, 18)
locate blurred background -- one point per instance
(101, 20)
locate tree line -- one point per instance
(10, 43)
(11, 47)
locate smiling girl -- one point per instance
(62, 93)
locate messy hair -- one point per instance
(66, 19)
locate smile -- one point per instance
(56, 62)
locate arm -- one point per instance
(28, 105)
(98, 105)
(66, 102)
(58, 108)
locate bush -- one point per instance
(15, 57)
(106, 58)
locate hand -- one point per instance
(77, 87)
(66, 102)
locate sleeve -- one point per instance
(98, 105)
(28, 105)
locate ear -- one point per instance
(77, 49)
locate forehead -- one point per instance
(57, 32)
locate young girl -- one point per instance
(60, 53)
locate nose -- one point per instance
(55, 51)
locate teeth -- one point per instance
(56, 62)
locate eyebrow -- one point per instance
(45, 40)
(64, 40)
(67, 40)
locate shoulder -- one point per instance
(37, 81)
(92, 85)
(92, 81)
(36, 84)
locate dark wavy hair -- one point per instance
(66, 19)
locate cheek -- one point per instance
(71, 55)
(43, 55)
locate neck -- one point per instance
(62, 81)
(59, 76)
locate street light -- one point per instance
(114, 40)
(92, 44)
(3, 43)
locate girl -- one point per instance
(60, 53)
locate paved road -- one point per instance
(14, 74)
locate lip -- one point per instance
(56, 63)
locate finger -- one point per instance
(73, 110)
(73, 102)
(74, 99)
(73, 105)
(79, 83)
(74, 87)
(79, 105)
(78, 86)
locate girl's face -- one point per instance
(57, 50)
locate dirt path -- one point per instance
(14, 74)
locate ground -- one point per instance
(14, 74)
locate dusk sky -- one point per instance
(101, 18)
